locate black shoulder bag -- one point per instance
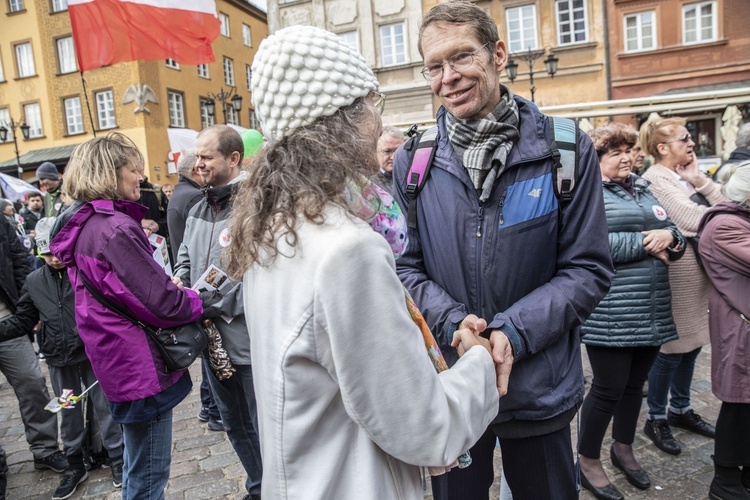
(179, 346)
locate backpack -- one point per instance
(565, 155)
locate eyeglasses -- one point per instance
(378, 101)
(685, 138)
(458, 62)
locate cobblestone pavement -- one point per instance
(205, 466)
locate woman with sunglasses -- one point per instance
(685, 193)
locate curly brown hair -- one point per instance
(612, 136)
(293, 180)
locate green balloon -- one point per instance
(253, 141)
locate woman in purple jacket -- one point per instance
(725, 249)
(100, 238)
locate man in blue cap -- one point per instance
(51, 182)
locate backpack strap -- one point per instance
(422, 149)
(564, 147)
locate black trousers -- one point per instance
(732, 445)
(536, 468)
(616, 391)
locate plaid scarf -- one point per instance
(483, 145)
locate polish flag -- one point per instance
(111, 31)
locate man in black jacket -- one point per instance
(185, 195)
(20, 365)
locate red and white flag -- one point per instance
(111, 31)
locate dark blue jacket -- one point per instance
(512, 260)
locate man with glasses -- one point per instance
(494, 251)
(390, 139)
(51, 182)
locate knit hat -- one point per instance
(302, 73)
(47, 170)
(42, 229)
(4, 204)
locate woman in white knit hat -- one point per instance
(349, 403)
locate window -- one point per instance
(571, 21)
(247, 38)
(66, 55)
(351, 38)
(105, 109)
(249, 75)
(640, 31)
(73, 115)
(521, 22)
(32, 115)
(699, 23)
(59, 5)
(2, 75)
(4, 121)
(228, 71)
(233, 117)
(176, 109)
(224, 20)
(393, 44)
(206, 119)
(203, 71)
(171, 63)
(15, 5)
(254, 123)
(25, 60)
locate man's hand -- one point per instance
(502, 354)
(464, 339)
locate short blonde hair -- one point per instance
(93, 172)
(658, 132)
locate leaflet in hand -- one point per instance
(161, 255)
(213, 279)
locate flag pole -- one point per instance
(88, 104)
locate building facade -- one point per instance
(40, 85)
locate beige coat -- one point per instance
(688, 281)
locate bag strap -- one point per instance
(423, 149)
(564, 147)
(109, 304)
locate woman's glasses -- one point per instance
(685, 138)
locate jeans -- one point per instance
(671, 376)
(147, 458)
(235, 398)
(20, 366)
(207, 397)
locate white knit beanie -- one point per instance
(302, 73)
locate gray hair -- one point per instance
(394, 132)
(462, 12)
(743, 136)
(735, 180)
(186, 163)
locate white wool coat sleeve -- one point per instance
(349, 402)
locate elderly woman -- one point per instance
(625, 331)
(101, 241)
(725, 250)
(349, 403)
(684, 192)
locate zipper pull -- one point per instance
(480, 216)
(502, 202)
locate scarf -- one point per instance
(483, 145)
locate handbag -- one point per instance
(179, 346)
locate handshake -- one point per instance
(467, 335)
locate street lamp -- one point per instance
(231, 96)
(4, 136)
(511, 67)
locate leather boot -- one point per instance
(727, 484)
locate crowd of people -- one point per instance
(387, 316)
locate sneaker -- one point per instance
(71, 478)
(203, 414)
(116, 466)
(56, 462)
(661, 435)
(693, 422)
(214, 424)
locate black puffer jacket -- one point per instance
(47, 295)
(637, 311)
(14, 264)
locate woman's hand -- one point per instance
(464, 339)
(691, 173)
(657, 240)
(177, 281)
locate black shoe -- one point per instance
(56, 462)
(693, 422)
(251, 497)
(727, 485)
(608, 492)
(215, 425)
(71, 478)
(203, 414)
(116, 466)
(661, 435)
(638, 478)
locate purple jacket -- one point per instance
(725, 250)
(104, 241)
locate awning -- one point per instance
(33, 159)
